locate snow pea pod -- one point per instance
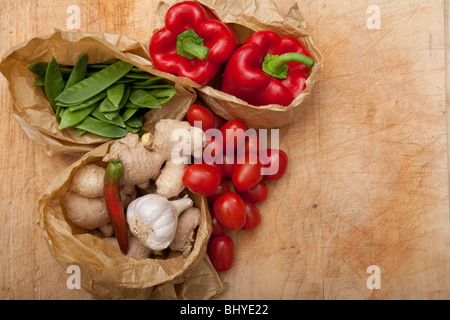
(107, 106)
(78, 72)
(148, 81)
(151, 86)
(101, 65)
(123, 80)
(163, 92)
(66, 72)
(87, 103)
(128, 113)
(135, 121)
(72, 118)
(137, 70)
(54, 82)
(126, 96)
(115, 93)
(133, 130)
(143, 99)
(163, 95)
(61, 112)
(80, 132)
(95, 84)
(112, 115)
(164, 100)
(101, 116)
(39, 81)
(38, 68)
(58, 113)
(132, 75)
(96, 67)
(101, 128)
(130, 105)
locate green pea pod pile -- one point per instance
(108, 99)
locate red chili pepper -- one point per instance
(267, 69)
(193, 43)
(114, 204)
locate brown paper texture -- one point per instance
(30, 106)
(108, 274)
(248, 16)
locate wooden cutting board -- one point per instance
(363, 211)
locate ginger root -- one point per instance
(87, 213)
(88, 181)
(135, 248)
(169, 183)
(188, 220)
(84, 203)
(143, 159)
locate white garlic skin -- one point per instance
(153, 219)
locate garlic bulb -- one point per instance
(153, 219)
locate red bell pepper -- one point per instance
(193, 43)
(267, 69)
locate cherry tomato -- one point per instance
(219, 168)
(230, 211)
(227, 170)
(201, 114)
(228, 163)
(246, 172)
(221, 252)
(233, 133)
(253, 217)
(219, 121)
(256, 194)
(221, 190)
(217, 228)
(202, 179)
(277, 165)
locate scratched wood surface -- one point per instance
(368, 180)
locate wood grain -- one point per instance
(368, 179)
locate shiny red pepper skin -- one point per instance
(218, 37)
(114, 204)
(245, 78)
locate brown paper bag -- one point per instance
(108, 274)
(247, 17)
(30, 105)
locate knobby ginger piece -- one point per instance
(88, 181)
(135, 248)
(170, 181)
(107, 230)
(138, 162)
(188, 221)
(127, 194)
(87, 213)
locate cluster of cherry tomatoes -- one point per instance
(235, 183)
